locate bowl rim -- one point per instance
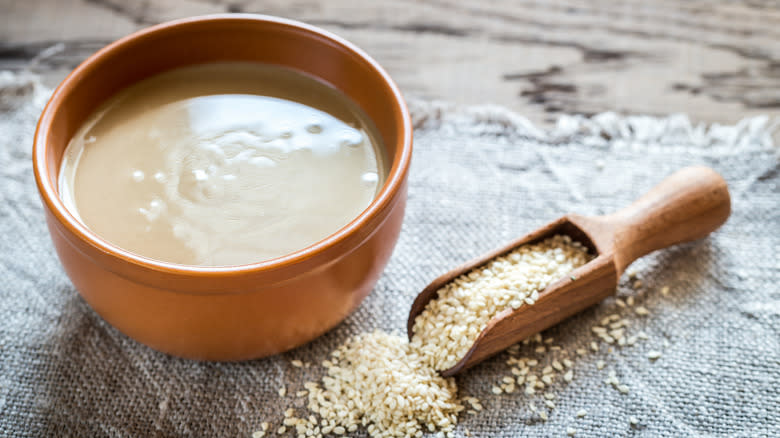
(46, 187)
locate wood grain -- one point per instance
(718, 61)
(687, 205)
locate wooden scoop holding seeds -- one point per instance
(686, 206)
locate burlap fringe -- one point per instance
(605, 129)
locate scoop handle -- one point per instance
(688, 205)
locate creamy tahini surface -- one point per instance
(222, 164)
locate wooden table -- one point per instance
(718, 61)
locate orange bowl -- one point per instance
(233, 312)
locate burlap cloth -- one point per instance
(480, 176)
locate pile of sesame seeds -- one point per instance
(448, 326)
(380, 382)
(387, 386)
(377, 382)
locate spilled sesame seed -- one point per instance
(641, 311)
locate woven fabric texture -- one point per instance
(480, 177)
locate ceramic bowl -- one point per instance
(234, 312)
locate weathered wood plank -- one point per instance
(716, 60)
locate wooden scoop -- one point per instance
(686, 206)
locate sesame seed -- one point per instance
(665, 291)
(281, 430)
(653, 355)
(582, 413)
(617, 333)
(296, 363)
(633, 420)
(571, 431)
(641, 311)
(282, 391)
(258, 434)
(619, 324)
